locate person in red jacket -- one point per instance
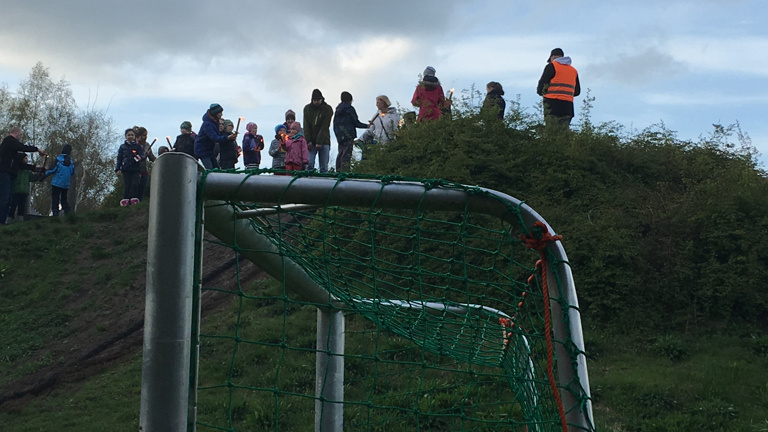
(559, 84)
(429, 97)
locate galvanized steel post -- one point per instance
(170, 283)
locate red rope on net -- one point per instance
(539, 244)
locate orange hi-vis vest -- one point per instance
(563, 85)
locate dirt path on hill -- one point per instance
(114, 332)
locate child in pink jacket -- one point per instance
(296, 156)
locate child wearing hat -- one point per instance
(228, 154)
(277, 148)
(185, 142)
(253, 144)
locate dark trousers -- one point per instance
(345, 156)
(131, 184)
(143, 180)
(6, 187)
(59, 195)
(18, 205)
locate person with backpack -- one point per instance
(62, 173)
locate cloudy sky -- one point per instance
(156, 63)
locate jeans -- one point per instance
(57, 194)
(322, 151)
(209, 163)
(6, 186)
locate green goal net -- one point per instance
(447, 308)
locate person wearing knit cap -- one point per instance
(253, 144)
(317, 130)
(277, 147)
(558, 85)
(185, 142)
(62, 174)
(429, 96)
(296, 156)
(228, 153)
(209, 135)
(345, 125)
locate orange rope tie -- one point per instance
(539, 245)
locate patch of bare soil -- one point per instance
(108, 334)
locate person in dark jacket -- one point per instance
(345, 125)
(228, 152)
(62, 175)
(209, 136)
(129, 157)
(253, 144)
(494, 101)
(317, 130)
(149, 156)
(11, 162)
(185, 142)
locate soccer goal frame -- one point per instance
(174, 259)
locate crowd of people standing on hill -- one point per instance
(308, 147)
(293, 148)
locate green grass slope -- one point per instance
(663, 236)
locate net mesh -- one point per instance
(445, 324)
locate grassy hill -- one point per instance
(663, 238)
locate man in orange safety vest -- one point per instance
(558, 85)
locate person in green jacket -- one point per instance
(317, 130)
(20, 193)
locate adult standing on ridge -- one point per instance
(559, 83)
(290, 117)
(345, 125)
(494, 102)
(429, 97)
(317, 130)
(384, 125)
(209, 135)
(11, 161)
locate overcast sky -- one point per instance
(157, 63)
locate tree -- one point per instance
(48, 114)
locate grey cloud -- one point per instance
(636, 68)
(110, 32)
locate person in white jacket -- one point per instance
(383, 126)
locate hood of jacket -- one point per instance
(563, 60)
(65, 159)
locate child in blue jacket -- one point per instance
(62, 174)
